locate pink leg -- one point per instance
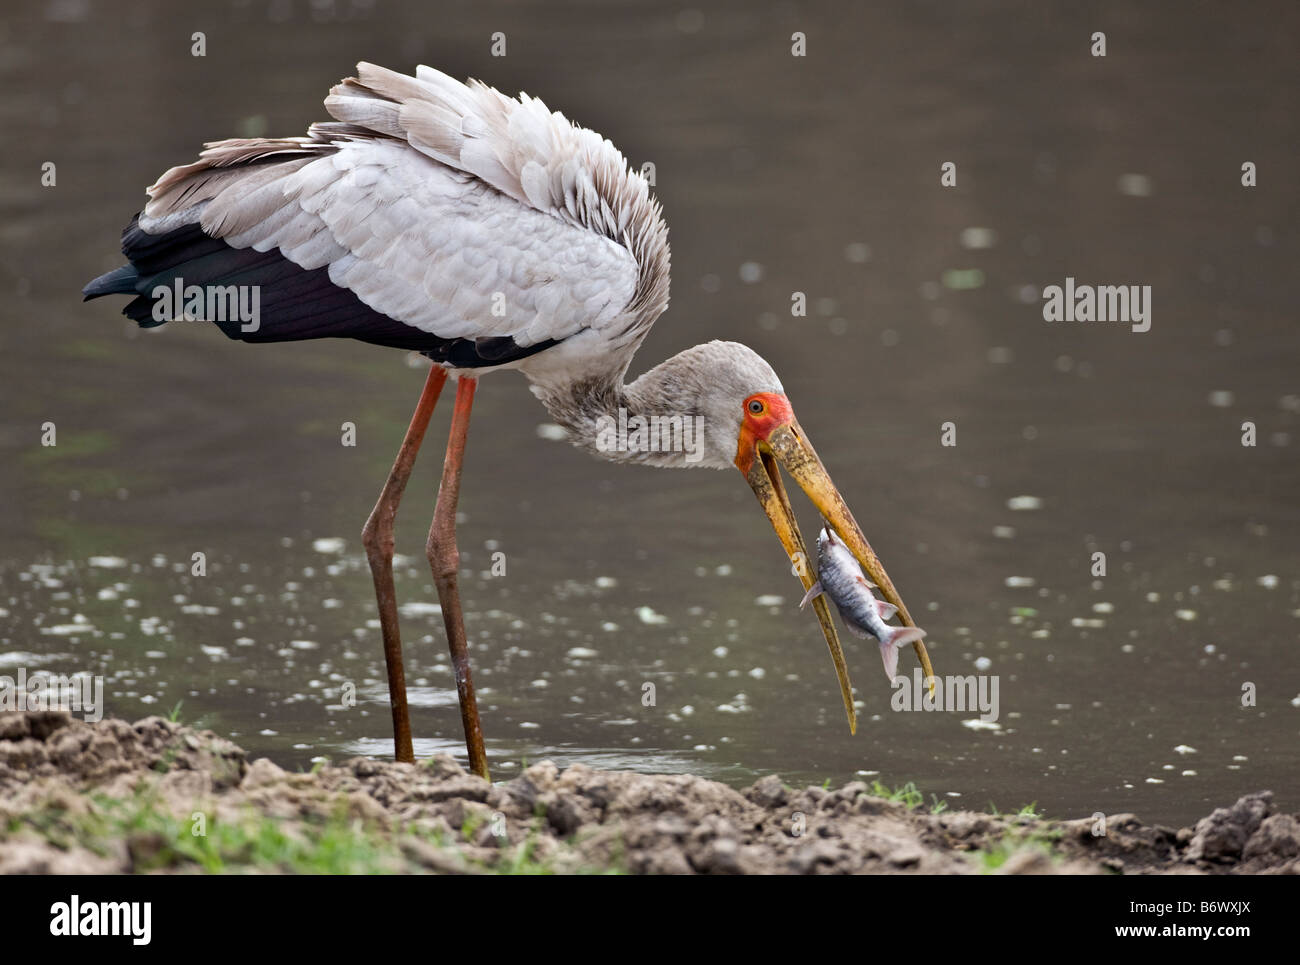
(444, 558)
(377, 537)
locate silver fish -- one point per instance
(840, 577)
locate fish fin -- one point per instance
(889, 648)
(886, 610)
(865, 582)
(814, 591)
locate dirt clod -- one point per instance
(65, 786)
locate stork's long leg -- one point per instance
(377, 536)
(444, 558)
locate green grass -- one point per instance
(993, 858)
(913, 797)
(1011, 842)
(1029, 812)
(1016, 839)
(158, 840)
(909, 795)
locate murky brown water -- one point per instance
(778, 174)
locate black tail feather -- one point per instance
(295, 303)
(119, 281)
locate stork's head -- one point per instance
(752, 425)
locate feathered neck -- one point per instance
(650, 421)
(683, 413)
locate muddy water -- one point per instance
(819, 175)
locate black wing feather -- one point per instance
(295, 303)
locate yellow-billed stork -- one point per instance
(486, 233)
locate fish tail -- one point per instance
(814, 591)
(898, 636)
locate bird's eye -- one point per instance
(756, 406)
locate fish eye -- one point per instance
(756, 406)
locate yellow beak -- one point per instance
(788, 446)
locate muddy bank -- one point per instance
(160, 797)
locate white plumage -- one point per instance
(451, 208)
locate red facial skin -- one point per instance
(757, 426)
